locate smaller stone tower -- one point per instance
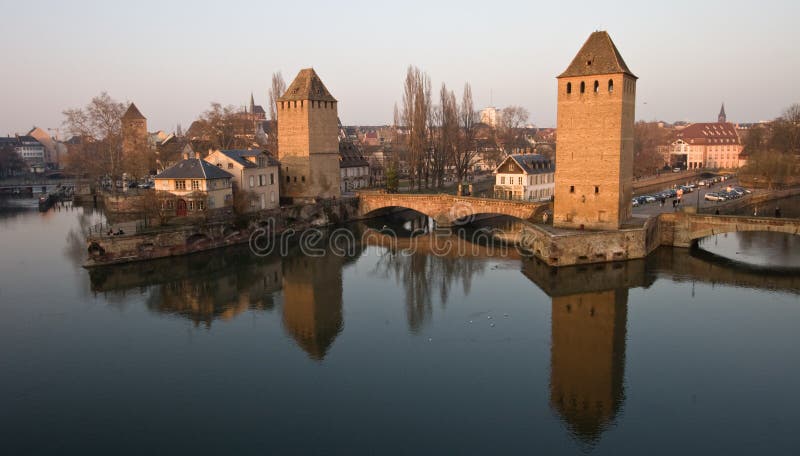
(308, 140)
(134, 133)
(722, 118)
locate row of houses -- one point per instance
(37, 149)
(196, 184)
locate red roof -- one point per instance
(711, 133)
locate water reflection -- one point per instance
(312, 307)
(588, 335)
(760, 249)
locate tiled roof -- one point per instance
(193, 168)
(598, 55)
(238, 155)
(132, 113)
(531, 163)
(307, 86)
(712, 133)
(10, 141)
(350, 156)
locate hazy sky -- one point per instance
(174, 57)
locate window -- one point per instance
(569, 88)
(303, 178)
(610, 86)
(210, 202)
(201, 206)
(572, 189)
(230, 165)
(596, 189)
(195, 185)
(180, 185)
(519, 181)
(271, 178)
(260, 180)
(583, 87)
(502, 180)
(190, 205)
(596, 87)
(272, 197)
(295, 178)
(252, 181)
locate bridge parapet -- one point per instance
(683, 229)
(447, 209)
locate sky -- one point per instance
(173, 58)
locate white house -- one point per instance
(525, 177)
(253, 171)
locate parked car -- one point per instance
(650, 198)
(710, 196)
(676, 170)
(634, 202)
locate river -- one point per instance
(383, 351)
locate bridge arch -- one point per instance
(704, 226)
(449, 209)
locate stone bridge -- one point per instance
(684, 229)
(448, 209)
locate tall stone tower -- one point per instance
(134, 133)
(308, 142)
(594, 153)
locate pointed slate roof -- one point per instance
(133, 113)
(193, 168)
(597, 56)
(307, 86)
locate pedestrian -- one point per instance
(777, 212)
(674, 203)
(716, 212)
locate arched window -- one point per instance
(610, 86)
(569, 88)
(583, 87)
(596, 87)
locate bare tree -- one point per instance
(225, 127)
(647, 137)
(99, 125)
(276, 90)
(510, 127)
(415, 113)
(466, 150)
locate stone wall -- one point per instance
(308, 150)
(594, 164)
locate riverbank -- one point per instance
(106, 248)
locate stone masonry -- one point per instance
(308, 145)
(594, 159)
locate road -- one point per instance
(688, 199)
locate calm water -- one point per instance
(384, 353)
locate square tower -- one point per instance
(594, 152)
(308, 140)
(134, 139)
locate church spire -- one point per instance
(252, 104)
(722, 118)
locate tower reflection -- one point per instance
(312, 301)
(587, 354)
